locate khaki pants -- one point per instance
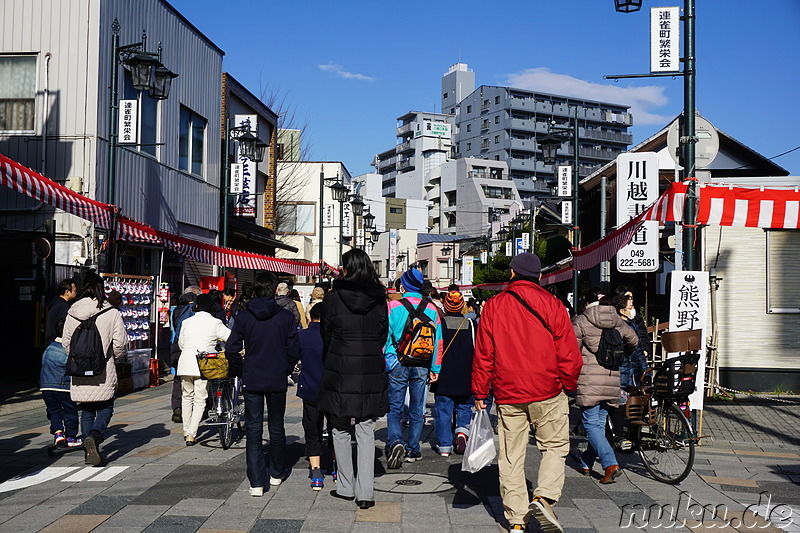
(550, 418)
(193, 403)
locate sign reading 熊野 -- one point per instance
(688, 309)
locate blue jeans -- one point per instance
(95, 417)
(61, 412)
(443, 415)
(414, 379)
(594, 422)
(254, 416)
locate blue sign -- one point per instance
(518, 245)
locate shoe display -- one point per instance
(365, 504)
(341, 497)
(461, 443)
(413, 456)
(542, 511)
(177, 416)
(257, 491)
(59, 439)
(396, 455)
(92, 451)
(74, 443)
(612, 473)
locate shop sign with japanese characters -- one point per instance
(392, 254)
(688, 309)
(564, 181)
(246, 200)
(665, 37)
(637, 188)
(128, 132)
(237, 186)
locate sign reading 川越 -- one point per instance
(688, 309)
(637, 188)
(665, 39)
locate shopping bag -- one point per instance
(213, 365)
(480, 450)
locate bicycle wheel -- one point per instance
(226, 423)
(667, 447)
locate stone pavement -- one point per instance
(151, 482)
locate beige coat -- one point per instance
(595, 383)
(112, 332)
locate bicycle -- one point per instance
(227, 410)
(663, 436)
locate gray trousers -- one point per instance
(361, 482)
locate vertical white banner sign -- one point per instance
(236, 179)
(526, 241)
(467, 270)
(637, 188)
(347, 220)
(392, 254)
(665, 35)
(128, 127)
(330, 216)
(688, 309)
(566, 212)
(564, 181)
(484, 258)
(508, 249)
(246, 201)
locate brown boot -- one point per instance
(612, 473)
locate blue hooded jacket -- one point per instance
(268, 333)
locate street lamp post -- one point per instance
(147, 74)
(549, 145)
(251, 147)
(339, 192)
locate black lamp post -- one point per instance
(627, 6)
(375, 235)
(147, 74)
(369, 221)
(549, 145)
(339, 192)
(251, 147)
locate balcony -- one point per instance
(625, 138)
(404, 147)
(387, 163)
(523, 144)
(485, 125)
(485, 106)
(405, 163)
(523, 124)
(405, 129)
(618, 118)
(522, 103)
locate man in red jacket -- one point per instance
(526, 354)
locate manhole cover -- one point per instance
(411, 483)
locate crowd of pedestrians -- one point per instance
(364, 353)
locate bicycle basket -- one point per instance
(213, 365)
(677, 378)
(639, 411)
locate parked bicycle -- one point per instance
(663, 436)
(227, 410)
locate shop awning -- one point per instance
(41, 188)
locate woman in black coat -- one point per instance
(354, 325)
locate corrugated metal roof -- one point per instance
(425, 238)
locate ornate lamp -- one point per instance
(627, 6)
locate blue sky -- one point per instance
(348, 69)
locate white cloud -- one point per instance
(342, 73)
(641, 99)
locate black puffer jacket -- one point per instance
(458, 336)
(354, 324)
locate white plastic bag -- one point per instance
(480, 450)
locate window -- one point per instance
(469, 109)
(423, 268)
(469, 147)
(496, 99)
(497, 158)
(452, 110)
(279, 149)
(396, 210)
(469, 127)
(17, 93)
(148, 115)
(497, 119)
(783, 277)
(191, 142)
(496, 139)
(444, 96)
(296, 218)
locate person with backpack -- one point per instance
(183, 310)
(94, 330)
(269, 332)
(413, 355)
(527, 356)
(199, 333)
(604, 338)
(452, 391)
(354, 326)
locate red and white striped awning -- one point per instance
(34, 185)
(38, 187)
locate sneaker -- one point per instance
(177, 416)
(334, 475)
(317, 479)
(395, 459)
(275, 481)
(256, 492)
(413, 456)
(517, 527)
(461, 443)
(74, 443)
(92, 451)
(59, 439)
(542, 512)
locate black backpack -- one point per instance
(86, 355)
(611, 350)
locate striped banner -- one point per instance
(32, 184)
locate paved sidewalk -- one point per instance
(151, 482)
